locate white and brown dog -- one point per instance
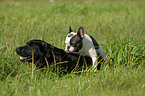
(86, 45)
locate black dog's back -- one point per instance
(73, 60)
(46, 54)
(77, 60)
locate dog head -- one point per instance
(74, 40)
(34, 49)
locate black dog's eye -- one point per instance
(27, 43)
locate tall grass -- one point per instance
(118, 27)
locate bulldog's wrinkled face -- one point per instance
(74, 40)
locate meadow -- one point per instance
(119, 26)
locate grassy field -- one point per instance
(118, 26)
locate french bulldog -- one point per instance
(86, 45)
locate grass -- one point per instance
(118, 26)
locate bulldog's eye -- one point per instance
(70, 35)
(74, 45)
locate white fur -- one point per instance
(67, 41)
(88, 48)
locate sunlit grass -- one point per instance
(118, 27)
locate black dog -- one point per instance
(45, 54)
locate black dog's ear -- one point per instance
(81, 33)
(70, 30)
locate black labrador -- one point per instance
(44, 54)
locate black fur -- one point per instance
(80, 33)
(45, 54)
(70, 30)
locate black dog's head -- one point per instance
(35, 49)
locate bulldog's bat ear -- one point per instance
(70, 30)
(81, 32)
